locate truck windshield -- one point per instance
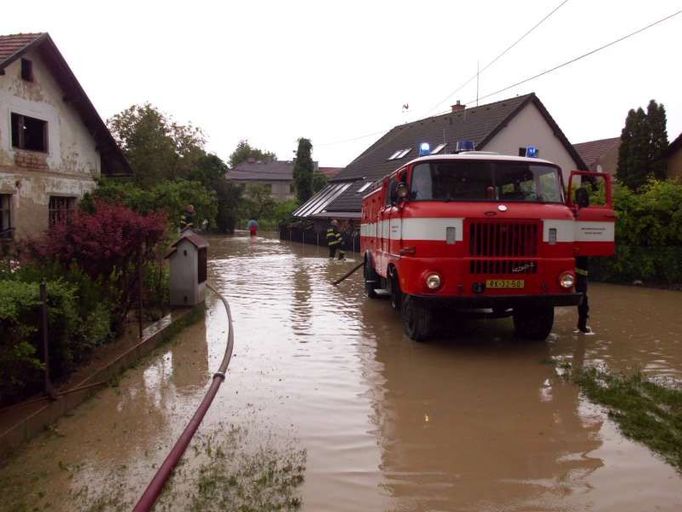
(486, 180)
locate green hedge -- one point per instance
(648, 236)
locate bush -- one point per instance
(107, 245)
(648, 236)
(21, 335)
(169, 197)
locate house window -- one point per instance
(29, 133)
(6, 228)
(61, 209)
(26, 70)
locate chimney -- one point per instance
(458, 107)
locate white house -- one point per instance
(53, 144)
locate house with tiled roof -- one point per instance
(508, 127)
(600, 155)
(53, 143)
(276, 175)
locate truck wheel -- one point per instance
(396, 293)
(371, 280)
(416, 317)
(533, 322)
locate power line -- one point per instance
(579, 57)
(564, 64)
(507, 49)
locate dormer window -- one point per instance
(26, 70)
(399, 154)
(438, 149)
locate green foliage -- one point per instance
(303, 170)
(157, 147)
(21, 336)
(244, 151)
(645, 411)
(170, 197)
(643, 141)
(230, 203)
(319, 181)
(258, 203)
(648, 235)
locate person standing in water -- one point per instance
(253, 227)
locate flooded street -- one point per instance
(470, 421)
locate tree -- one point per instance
(156, 147)
(244, 151)
(259, 203)
(643, 141)
(303, 170)
(659, 138)
(319, 181)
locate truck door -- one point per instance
(590, 196)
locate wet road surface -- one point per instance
(471, 421)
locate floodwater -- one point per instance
(470, 421)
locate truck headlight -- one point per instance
(433, 281)
(567, 280)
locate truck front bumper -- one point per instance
(501, 302)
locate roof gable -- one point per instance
(12, 47)
(479, 124)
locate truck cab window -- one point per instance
(479, 180)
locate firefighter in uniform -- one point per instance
(335, 240)
(581, 273)
(582, 199)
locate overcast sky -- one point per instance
(274, 71)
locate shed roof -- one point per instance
(14, 46)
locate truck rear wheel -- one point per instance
(416, 317)
(371, 280)
(533, 322)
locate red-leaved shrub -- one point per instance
(108, 245)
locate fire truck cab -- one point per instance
(482, 233)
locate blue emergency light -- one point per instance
(464, 145)
(532, 152)
(424, 149)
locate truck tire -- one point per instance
(416, 317)
(533, 322)
(371, 279)
(396, 292)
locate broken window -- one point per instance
(29, 133)
(6, 228)
(61, 209)
(26, 70)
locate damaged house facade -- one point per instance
(53, 143)
(507, 127)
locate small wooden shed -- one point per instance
(188, 269)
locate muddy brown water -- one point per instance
(470, 421)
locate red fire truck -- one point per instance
(482, 233)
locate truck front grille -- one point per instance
(503, 239)
(503, 266)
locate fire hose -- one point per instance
(348, 274)
(155, 487)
